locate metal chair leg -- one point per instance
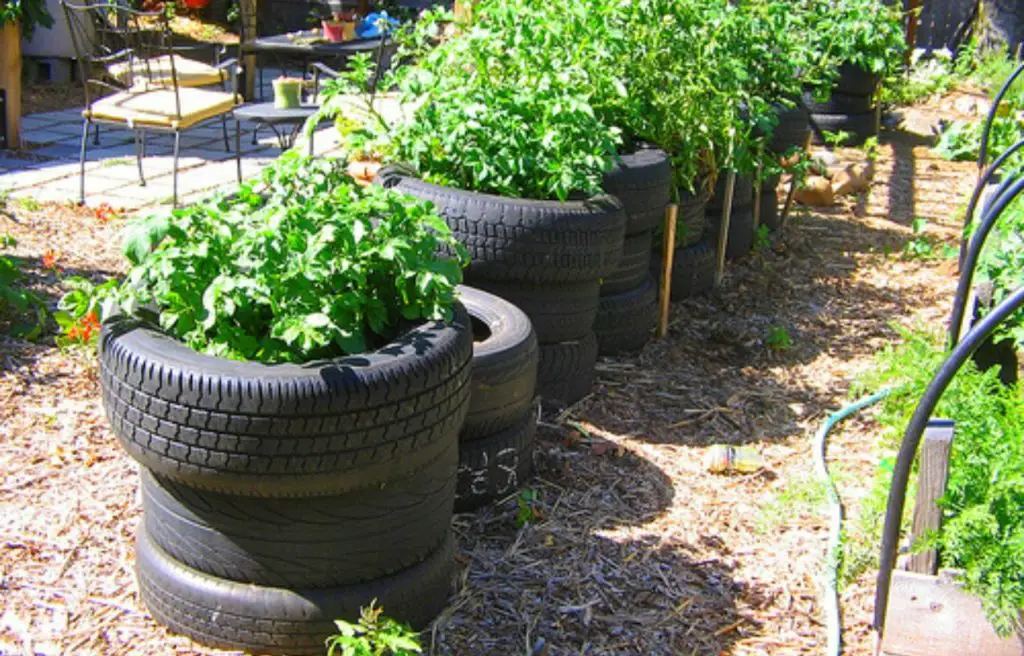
(140, 152)
(96, 134)
(238, 149)
(224, 128)
(81, 163)
(174, 193)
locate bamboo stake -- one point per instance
(757, 197)
(669, 246)
(792, 187)
(723, 227)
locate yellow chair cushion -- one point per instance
(155, 107)
(190, 73)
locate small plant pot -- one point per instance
(197, 4)
(287, 93)
(338, 31)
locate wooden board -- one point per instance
(10, 81)
(931, 485)
(929, 616)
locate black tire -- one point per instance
(505, 357)
(515, 239)
(791, 132)
(770, 212)
(633, 267)
(303, 543)
(567, 370)
(231, 615)
(743, 193)
(317, 429)
(855, 81)
(837, 103)
(558, 312)
(693, 269)
(741, 232)
(625, 321)
(495, 466)
(690, 223)
(642, 181)
(860, 126)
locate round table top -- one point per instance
(267, 113)
(309, 44)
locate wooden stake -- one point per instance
(913, 14)
(931, 485)
(792, 187)
(463, 10)
(10, 81)
(723, 227)
(668, 254)
(247, 8)
(757, 198)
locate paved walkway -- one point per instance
(48, 167)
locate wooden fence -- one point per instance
(945, 23)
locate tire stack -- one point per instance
(741, 223)
(628, 307)
(496, 442)
(279, 498)
(693, 263)
(851, 107)
(545, 257)
(791, 132)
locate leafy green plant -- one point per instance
(836, 139)
(29, 14)
(983, 531)
(762, 238)
(961, 140)
(30, 204)
(24, 310)
(778, 339)
(526, 503)
(373, 635)
(870, 148)
(920, 245)
(305, 264)
(1001, 265)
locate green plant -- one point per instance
(30, 14)
(920, 246)
(30, 204)
(304, 264)
(762, 238)
(983, 530)
(1001, 265)
(778, 339)
(373, 635)
(798, 497)
(15, 301)
(961, 140)
(865, 33)
(870, 148)
(526, 504)
(836, 139)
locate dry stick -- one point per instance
(668, 253)
(757, 197)
(723, 227)
(792, 187)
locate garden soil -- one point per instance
(631, 546)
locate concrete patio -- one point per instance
(47, 168)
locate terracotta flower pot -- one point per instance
(336, 31)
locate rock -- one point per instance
(853, 179)
(972, 105)
(919, 123)
(817, 191)
(363, 172)
(827, 159)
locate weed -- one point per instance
(373, 635)
(800, 497)
(528, 511)
(762, 238)
(116, 161)
(30, 204)
(920, 246)
(870, 148)
(778, 339)
(836, 139)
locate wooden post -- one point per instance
(463, 10)
(913, 14)
(757, 198)
(931, 485)
(247, 9)
(723, 227)
(792, 187)
(668, 254)
(10, 81)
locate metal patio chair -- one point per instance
(129, 53)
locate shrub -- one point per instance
(308, 265)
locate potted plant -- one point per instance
(287, 92)
(340, 26)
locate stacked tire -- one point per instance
(740, 239)
(628, 306)
(496, 442)
(545, 257)
(279, 498)
(693, 262)
(850, 108)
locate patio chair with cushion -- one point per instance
(129, 54)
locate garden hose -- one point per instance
(830, 599)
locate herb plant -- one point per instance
(1001, 265)
(306, 265)
(373, 635)
(23, 310)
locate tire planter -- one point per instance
(504, 367)
(495, 466)
(838, 103)
(791, 132)
(690, 219)
(633, 267)
(519, 240)
(566, 370)
(741, 233)
(558, 312)
(625, 321)
(855, 81)
(303, 543)
(318, 429)
(642, 181)
(693, 269)
(743, 194)
(264, 619)
(770, 197)
(861, 126)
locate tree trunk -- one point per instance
(1001, 26)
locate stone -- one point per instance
(827, 159)
(817, 191)
(852, 179)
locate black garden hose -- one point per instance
(978, 188)
(983, 153)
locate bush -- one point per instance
(307, 265)
(16, 302)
